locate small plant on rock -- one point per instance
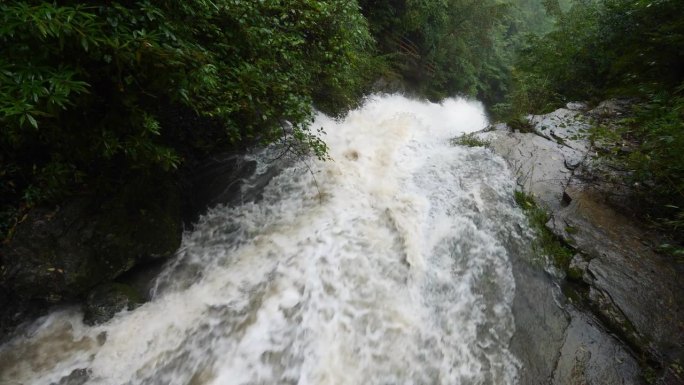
(470, 140)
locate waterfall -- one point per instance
(386, 265)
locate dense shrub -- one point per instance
(87, 87)
(602, 48)
(658, 161)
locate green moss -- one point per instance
(546, 244)
(571, 229)
(575, 274)
(650, 375)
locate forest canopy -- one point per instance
(93, 92)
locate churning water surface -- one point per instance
(385, 265)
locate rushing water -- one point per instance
(386, 265)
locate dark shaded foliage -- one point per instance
(96, 92)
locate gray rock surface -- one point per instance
(590, 356)
(543, 161)
(578, 268)
(557, 343)
(636, 291)
(612, 108)
(540, 321)
(627, 319)
(565, 127)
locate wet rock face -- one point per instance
(544, 159)
(540, 323)
(77, 377)
(591, 356)
(626, 289)
(611, 109)
(557, 343)
(59, 254)
(227, 179)
(635, 290)
(63, 253)
(216, 180)
(107, 299)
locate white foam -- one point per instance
(381, 266)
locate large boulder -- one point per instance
(60, 253)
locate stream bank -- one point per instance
(615, 313)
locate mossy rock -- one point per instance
(61, 253)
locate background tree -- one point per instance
(442, 48)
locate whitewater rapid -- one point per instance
(385, 265)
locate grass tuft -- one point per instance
(470, 140)
(520, 124)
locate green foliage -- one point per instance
(546, 244)
(656, 163)
(447, 47)
(563, 65)
(440, 48)
(535, 16)
(598, 49)
(552, 7)
(91, 91)
(644, 40)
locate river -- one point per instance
(389, 264)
